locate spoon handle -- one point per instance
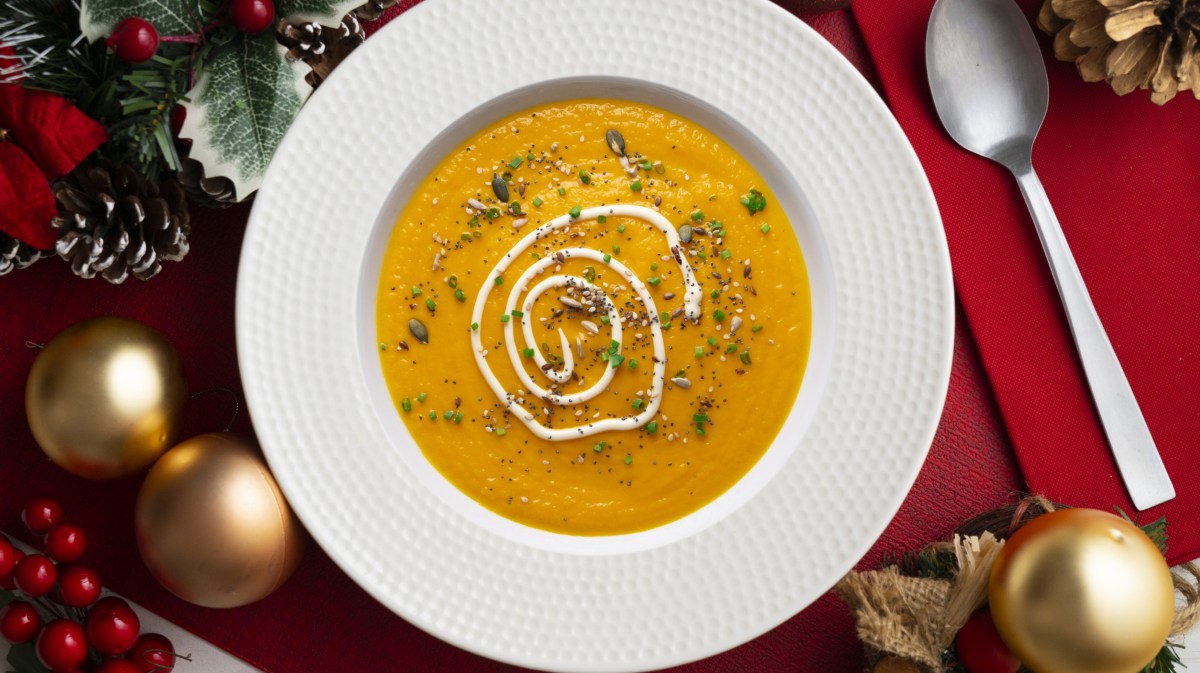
(1137, 457)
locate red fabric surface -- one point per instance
(1123, 176)
(320, 621)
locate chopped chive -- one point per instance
(654, 267)
(589, 273)
(575, 211)
(499, 280)
(598, 447)
(421, 397)
(664, 317)
(712, 197)
(652, 426)
(718, 315)
(528, 352)
(616, 359)
(607, 258)
(666, 325)
(614, 346)
(382, 347)
(633, 363)
(477, 234)
(726, 254)
(628, 459)
(701, 255)
(699, 352)
(458, 417)
(584, 177)
(452, 281)
(460, 295)
(515, 208)
(756, 328)
(537, 201)
(466, 236)
(535, 255)
(638, 404)
(602, 219)
(712, 341)
(616, 249)
(406, 405)
(653, 280)
(604, 356)
(474, 326)
(562, 192)
(433, 415)
(516, 161)
(700, 418)
(492, 213)
(448, 415)
(620, 228)
(715, 294)
(504, 318)
(473, 222)
(700, 430)
(636, 185)
(605, 320)
(518, 314)
(765, 228)
(529, 157)
(431, 304)
(754, 201)
(416, 291)
(697, 215)
(500, 432)
(745, 357)
(646, 165)
(731, 348)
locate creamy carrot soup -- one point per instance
(593, 317)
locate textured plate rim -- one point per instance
(262, 310)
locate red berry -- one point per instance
(252, 16)
(134, 40)
(153, 652)
(20, 622)
(112, 626)
(35, 575)
(9, 581)
(980, 649)
(65, 542)
(62, 646)
(79, 586)
(118, 666)
(8, 557)
(41, 514)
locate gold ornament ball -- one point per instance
(213, 526)
(105, 397)
(1082, 591)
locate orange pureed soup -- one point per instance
(593, 317)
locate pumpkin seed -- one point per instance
(685, 233)
(418, 330)
(500, 187)
(616, 142)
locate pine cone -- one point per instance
(1131, 44)
(17, 255)
(114, 223)
(373, 9)
(215, 192)
(322, 48)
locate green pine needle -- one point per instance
(1166, 660)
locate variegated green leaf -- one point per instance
(240, 108)
(325, 12)
(170, 17)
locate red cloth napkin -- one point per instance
(1124, 177)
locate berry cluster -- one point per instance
(135, 40)
(57, 605)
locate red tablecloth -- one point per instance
(320, 621)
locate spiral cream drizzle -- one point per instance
(692, 298)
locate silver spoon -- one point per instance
(990, 89)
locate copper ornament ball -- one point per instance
(105, 397)
(1082, 591)
(213, 526)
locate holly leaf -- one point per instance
(170, 17)
(243, 103)
(23, 659)
(324, 12)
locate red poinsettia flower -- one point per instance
(42, 137)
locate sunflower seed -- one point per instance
(477, 204)
(681, 382)
(519, 222)
(616, 142)
(735, 324)
(500, 187)
(418, 330)
(567, 301)
(589, 326)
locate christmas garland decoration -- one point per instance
(116, 116)
(927, 611)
